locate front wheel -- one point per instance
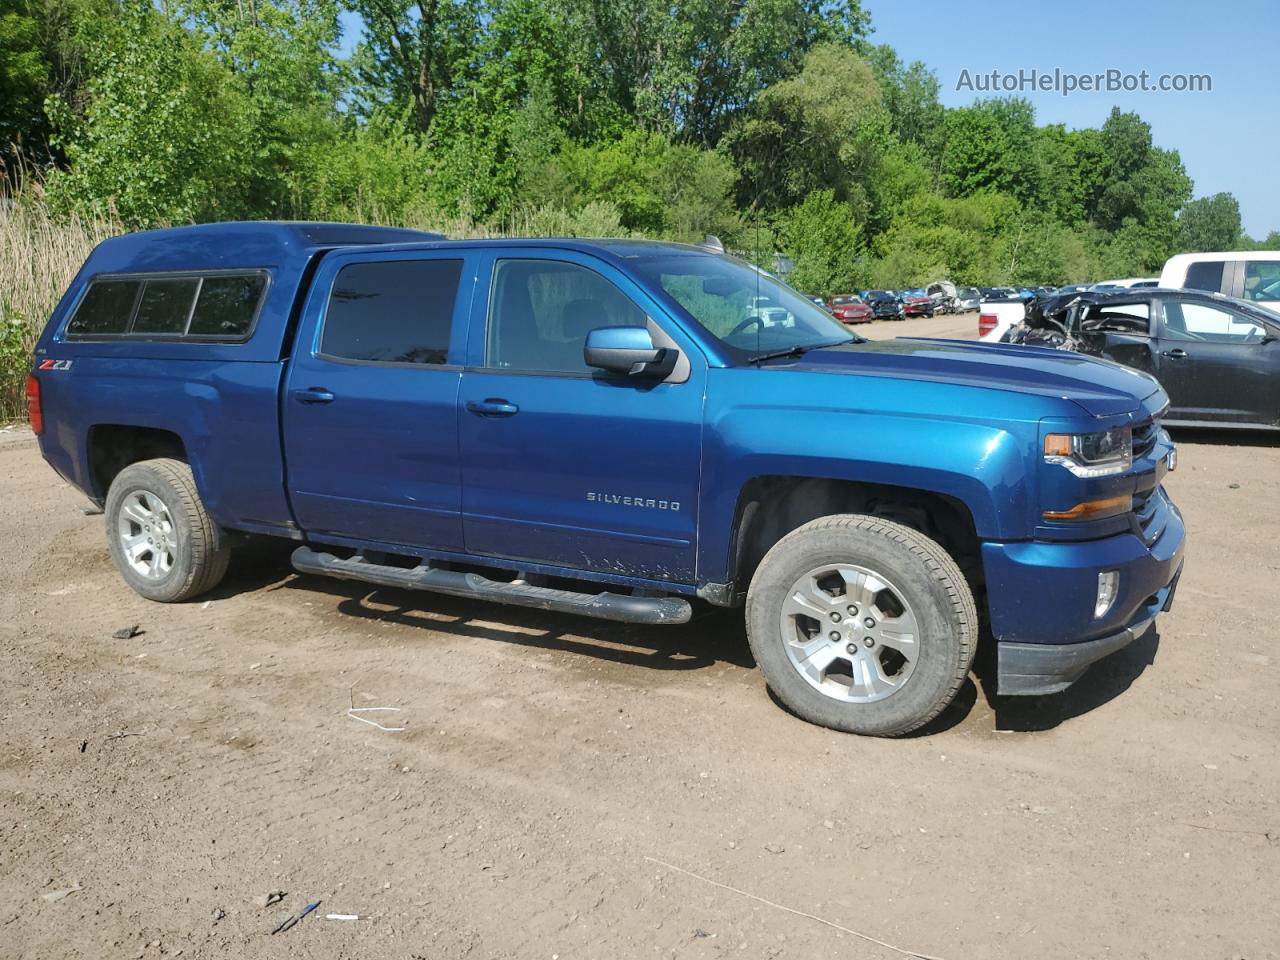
(162, 539)
(861, 624)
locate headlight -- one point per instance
(1091, 454)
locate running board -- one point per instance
(603, 606)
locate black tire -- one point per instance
(199, 550)
(943, 605)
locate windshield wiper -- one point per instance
(800, 349)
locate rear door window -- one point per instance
(106, 309)
(396, 311)
(1205, 275)
(1261, 280)
(1189, 320)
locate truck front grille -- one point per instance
(1144, 438)
(1150, 514)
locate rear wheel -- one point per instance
(162, 539)
(861, 624)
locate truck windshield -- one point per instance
(746, 309)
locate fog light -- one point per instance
(1108, 587)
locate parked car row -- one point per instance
(868, 305)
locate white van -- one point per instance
(1252, 275)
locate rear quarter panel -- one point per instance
(221, 399)
(225, 412)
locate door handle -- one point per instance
(492, 407)
(313, 395)
(1176, 354)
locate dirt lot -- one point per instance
(177, 776)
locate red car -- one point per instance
(917, 305)
(848, 308)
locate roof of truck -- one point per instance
(254, 243)
(263, 243)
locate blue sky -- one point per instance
(1229, 139)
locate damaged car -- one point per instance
(1218, 358)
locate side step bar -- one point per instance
(603, 606)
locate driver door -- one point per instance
(1217, 364)
(568, 466)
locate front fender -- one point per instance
(982, 465)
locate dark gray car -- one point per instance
(1218, 358)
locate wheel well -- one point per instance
(771, 507)
(113, 447)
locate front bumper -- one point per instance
(1040, 597)
(1030, 669)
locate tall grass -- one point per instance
(38, 257)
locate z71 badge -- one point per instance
(54, 365)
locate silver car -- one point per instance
(968, 298)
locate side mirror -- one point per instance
(628, 351)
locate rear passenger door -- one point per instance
(568, 466)
(1218, 364)
(371, 400)
(1258, 281)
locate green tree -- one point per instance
(24, 73)
(40, 56)
(990, 146)
(934, 237)
(164, 136)
(414, 54)
(822, 129)
(1071, 171)
(825, 243)
(660, 188)
(374, 172)
(1211, 223)
(689, 67)
(910, 94)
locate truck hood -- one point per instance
(1101, 388)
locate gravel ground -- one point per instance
(549, 763)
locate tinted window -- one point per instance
(1185, 320)
(1205, 275)
(105, 309)
(393, 312)
(165, 306)
(1262, 280)
(226, 306)
(541, 312)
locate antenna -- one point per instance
(755, 304)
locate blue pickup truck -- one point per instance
(613, 428)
